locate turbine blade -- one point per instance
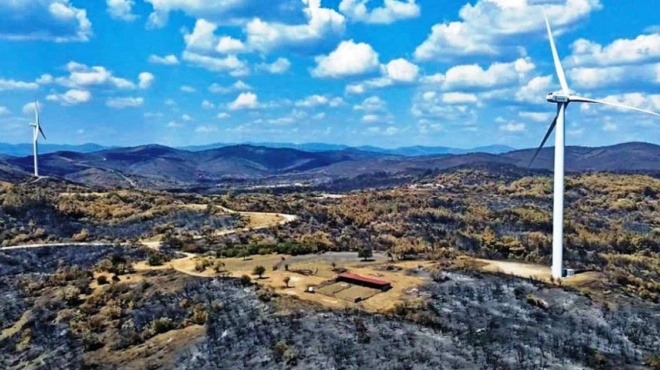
(545, 138)
(555, 56)
(581, 99)
(36, 112)
(42, 132)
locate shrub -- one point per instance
(246, 280)
(102, 280)
(259, 270)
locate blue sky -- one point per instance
(377, 72)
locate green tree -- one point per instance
(365, 253)
(259, 271)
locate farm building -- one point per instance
(364, 281)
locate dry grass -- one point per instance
(157, 352)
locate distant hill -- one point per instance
(161, 166)
(18, 150)
(410, 151)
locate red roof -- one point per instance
(348, 275)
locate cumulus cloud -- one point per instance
(544, 117)
(245, 101)
(458, 98)
(371, 104)
(168, 60)
(279, 66)
(322, 23)
(236, 86)
(512, 127)
(401, 70)
(319, 100)
(230, 63)
(642, 49)
(187, 89)
(228, 11)
(4, 111)
(390, 12)
(205, 129)
(207, 105)
(127, 102)
(121, 9)
(534, 90)
(146, 79)
(49, 20)
(82, 76)
(71, 97)
(349, 59)
(488, 27)
(17, 85)
(497, 74)
(601, 77)
(230, 45)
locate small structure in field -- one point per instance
(364, 281)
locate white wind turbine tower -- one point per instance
(36, 125)
(563, 98)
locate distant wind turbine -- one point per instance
(562, 99)
(35, 138)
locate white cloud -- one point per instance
(174, 124)
(319, 116)
(82, 76)
(319, 100)
(121, 9)
(348, 59)
(281, 65)
(127, 102)
(236, 86)
(643, 48)
(44, 20)
(458, 98)
(488, 27)
(391, 11)
(230, 45)
(513, 127)
(71, 97)
(245, 101)
(636, 99)
(168, 60)
(401, 70)
(45, 79)
(601, 77)
(207, 105)
(230, 63)
(205, 129)
(223, 115)
(387, 131)
(4, 111)
(609, 127)
(535, 90)
(187, 117)
(146, 79)
(356, 89)
(187, 89)
(17, 85)
(537, 116)
(202, 38)
(371, 104)
(497, 74)
(322, 23)
(170, 103)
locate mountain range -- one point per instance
(160, 166)
(19, 150)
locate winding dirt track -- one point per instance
(258, 220)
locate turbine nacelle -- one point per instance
(558, 97)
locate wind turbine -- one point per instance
(36, 125)
(563, 98)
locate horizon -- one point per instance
(312, 71)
